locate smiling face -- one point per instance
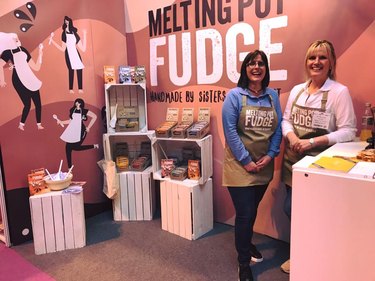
(256, 70)
(320, 61)
(318, 64)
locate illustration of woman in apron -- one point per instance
(76, 131)
(26, 84)
(70, 41)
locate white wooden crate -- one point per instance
(136, 197)
(130, 94)
(58, 221)
(133, 139)
(172, 146)
(186, 208)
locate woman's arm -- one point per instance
(230, 114)
(275, 140)
(82, 43)
(346, 122)
(63, 45)
(2, 78)
(36, 65)
(92, 121)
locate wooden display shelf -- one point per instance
(129, 95)
(58, 221)
(173, 146)
(136, 197)
(186, 208)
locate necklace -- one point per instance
(256, 92)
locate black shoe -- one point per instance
(244, 273)
(256, 256)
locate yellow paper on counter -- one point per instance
(333, 163)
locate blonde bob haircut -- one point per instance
(328, 47)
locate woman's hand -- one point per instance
(251, 167)
(301, 146)
(263, 162)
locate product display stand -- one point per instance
(186, 205)
(127, 124)
(58, 221)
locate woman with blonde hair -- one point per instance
(318, 114)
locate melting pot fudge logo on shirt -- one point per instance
(210, 54)
(259, 119)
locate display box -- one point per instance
(180, 130)
(125, 74)
(109, 74)
(164, 129)
(202, 127)
(164, 148)
(132, 74)
(58, 221)
(135, 199)
(126, 107)
(127, 148)
(186, 208)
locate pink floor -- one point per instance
(14, 267)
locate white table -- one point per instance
(333, 221)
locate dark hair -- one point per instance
(83, 110)
(71, 26)
(243, 81)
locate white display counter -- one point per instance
(333, 220)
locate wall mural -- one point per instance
(51, 75)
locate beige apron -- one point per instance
(307, 123)
(256, 125)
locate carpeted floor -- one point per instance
(13, 267)
(141, 250)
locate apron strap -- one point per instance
(323, 102)
(244, 100)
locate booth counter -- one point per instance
(333, 219)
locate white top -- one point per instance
(342, 125)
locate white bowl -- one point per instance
(60, 182)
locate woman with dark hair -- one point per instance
(70, 41)
(251, 118)
(26, 84)
(76, 132)
(327, 107)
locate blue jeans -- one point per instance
(246, 201)
(288, 202)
